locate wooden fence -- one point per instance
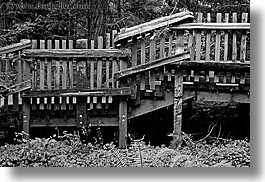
(221, 39)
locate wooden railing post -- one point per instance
(123, 113)
(177, 111)
(26, 117)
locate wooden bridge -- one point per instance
(118, 77)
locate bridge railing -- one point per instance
(14, 74)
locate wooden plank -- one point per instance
(191, 45)
(198, 39)
(114, 70)
(142, 84)
(152, 65)
(78, 53)
(134, 53)
(217, 46)
(162, 55)
(10, 100)
(108, 61)
(92, 67)
(15, 47)
(42, 44)
(170, 43)
(64, 74)
(218, 39)
(234, 43)
(57, 45)
(81, 114)
(99, 64)
(125, 91)
(63, 44)
(212, 65)
(57, 74)
(42, 72)
(154, 24)
(152, 57)
(34, 44)
(26, 117)
(208, 40)
(177, 111)
(243, 47)
(213, 26)
(123, 116)
(226, 38)
(71, 74)
(49, 67)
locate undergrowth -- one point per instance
(69, 151)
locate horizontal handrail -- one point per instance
(65, 53)
(15, 47)
(83, 92)
(213, 26)
(152, 25)
(151, 65)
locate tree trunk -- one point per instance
(97, 18)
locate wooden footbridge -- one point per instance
(121, 76)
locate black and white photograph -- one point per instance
(125, 83)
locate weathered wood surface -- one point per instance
(77, 53)
(212, 65)
(15, 47)
(125, 91)
(153, 24)
(151, 65)
(213, 26)
(177, 110)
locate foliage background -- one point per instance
(100, 18)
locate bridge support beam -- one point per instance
(177, 111)
(123, 117)
(26, 116)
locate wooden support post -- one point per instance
(123, 113)
(26, 116)
(123, 123)
(177, 111)
(81, 115)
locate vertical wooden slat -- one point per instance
(34, 44)
(49, 67)
(108, 61)
(58, 67)
(92, 68)
(226, 38)
(218, 39)
(42, 44)
(152, 57)
(26, 116)
(42, 71)
(162, 55)
(123, 113)
(191, 45)
(198, 48)
(99, 64)
(64, 76)
(234, 43)
(208, 40)
(177, 112)
(170, 44)
(217, 46)
(142, 84)
(243, 47)
(114, 33)
(198, 39)
(134, 53)
(57, 74)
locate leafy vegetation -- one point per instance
(70, 152)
